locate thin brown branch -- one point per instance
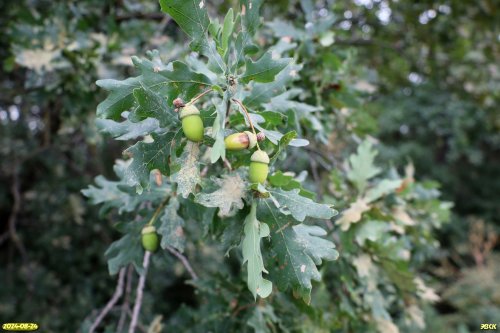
(184, 261)
(126, 301)
(13, 215)
(139, 293)
(243, 307)
(197, 97)
(204, 171)
(163, 24)
(228, 109)
(316, 176)
(140, 326)
(111, 303)
(227, 164)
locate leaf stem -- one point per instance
(248, 117)
(197, 97)
(184, 261)
(158, 210)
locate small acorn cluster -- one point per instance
(192, 126)
(193, 129)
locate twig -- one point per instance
(162, 25)
(227, 164)
(139, 293)
(204, 171)
(317, 180)
(126, 301)
(248, 117)
(228, 109)
(243, 307)
(139, 325)
(197, 97)
(13, 216)
(184, 261)
(111, 303)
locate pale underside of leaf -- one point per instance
(229, 196)
(171, 228)
(254, 231)
(189, 174)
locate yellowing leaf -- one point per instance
(426, 293)
(361, 165)
(353, 214)
(386, 326)
(38, 59)
(364, 265)
(416, 316)
(402, 216)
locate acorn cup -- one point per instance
(192, 125)
(149, 238)
(259, 167)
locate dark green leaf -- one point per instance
(152, 105)
(149, 156)
(283, 143)
(117, 194)
(191, 16)
(262, 92)
(297, 251)
(127, 130)
(250, 15)
(264, 69)
(126, 250)
(300, 207)
(287, 183)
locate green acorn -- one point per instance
(192, 125)
(149, 238)
(240, 141)
(259, 167)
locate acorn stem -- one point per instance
(197, 97)
(248, 117)
(158, 210)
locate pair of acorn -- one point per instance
(192, 126)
